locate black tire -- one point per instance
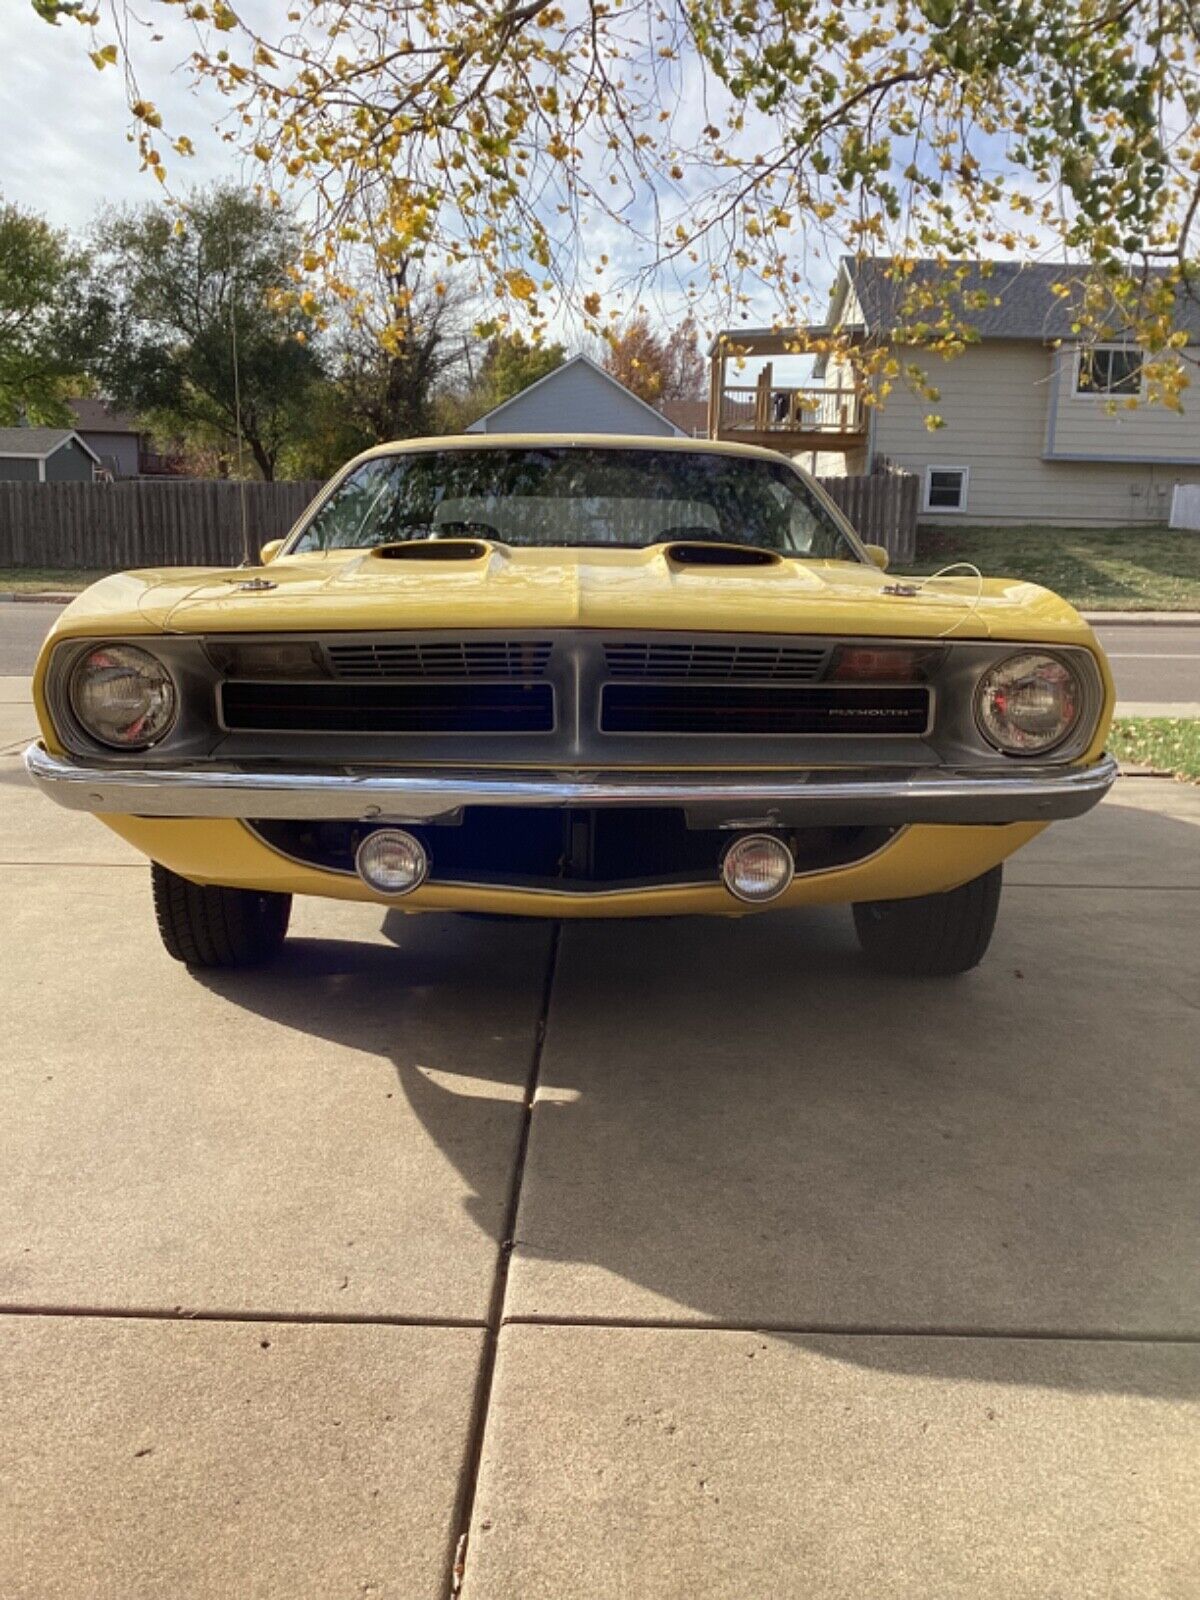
(204, 926)
(935, 935)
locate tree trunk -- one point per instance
(264, 459)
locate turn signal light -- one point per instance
(284, 658)
(884, 664)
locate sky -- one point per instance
(63, 150)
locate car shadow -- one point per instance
(740, 1125)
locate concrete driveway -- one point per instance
(821, 1284)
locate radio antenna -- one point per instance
(247, 556)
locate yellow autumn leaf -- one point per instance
(520, 285)
(106, 57)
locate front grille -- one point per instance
(569, 696)
(763, 709)
(441, 658)
(318, 707)
(727, 662)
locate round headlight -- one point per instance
(123, 696)
(1028, 704)
(757, 868)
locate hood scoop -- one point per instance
(721, 555)
(433, 550)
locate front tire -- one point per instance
(934, 935)
(205, 926)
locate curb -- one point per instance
(1143, 619)
(47, 598)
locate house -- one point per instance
(1035, 429)
(119, 440)
(578, 397)
(689, 416)
(113, 436)
(46, 455)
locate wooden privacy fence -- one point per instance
(190, 522)
(196, 522)
(883, 508)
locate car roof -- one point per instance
(560, 441)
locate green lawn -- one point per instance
(1110, 569)
(35, 580)
(1170, 744)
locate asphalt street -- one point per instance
(1151, 664)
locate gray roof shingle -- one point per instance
(97, 416)
(33, 441)
(1023, 302)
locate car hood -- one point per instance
(501, 587)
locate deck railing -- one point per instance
(766, 407)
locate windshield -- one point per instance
(576, 496)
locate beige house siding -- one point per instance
(996, 400)
(1082, 425)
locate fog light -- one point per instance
(757, 868)
(391, 861)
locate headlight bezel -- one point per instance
(1065, 734)
(69, 697)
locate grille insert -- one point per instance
(730, 662)
(249, 707)
(731, 709)
(441, 658)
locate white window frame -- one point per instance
(933, 467)
(1107, 394)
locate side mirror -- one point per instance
(270, 550)
(878, 555)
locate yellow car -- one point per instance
(573, 676)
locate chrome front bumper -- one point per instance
(819, 797)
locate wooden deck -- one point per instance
(821, 416)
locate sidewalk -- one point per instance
(1125, 619)
(674, 1260)
(1157, 708)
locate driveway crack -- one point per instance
(496, 1308)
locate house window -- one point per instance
(946, 488)
(1109, 369)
